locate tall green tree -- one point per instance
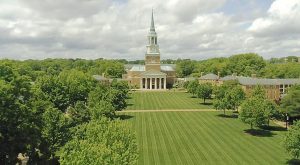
(292, 140)
(291, 102)
(184, 67)
(19, 132)
(252, 112)
(192, 87)
(101, 142)
(204, 91)
(55, 131)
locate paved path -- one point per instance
(170, 110)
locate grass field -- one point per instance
(203, 138)
(165, 100)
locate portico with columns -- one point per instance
(153, 81)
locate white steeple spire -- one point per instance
(152, 27)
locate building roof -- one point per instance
(141, 68)
(261, 81)
(153, 73)
(167, 67)
(209, 76)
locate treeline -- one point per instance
(36, 68)
(54, 111)
(241, 64)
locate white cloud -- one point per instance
(283, 19)
(117, 29)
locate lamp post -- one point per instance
(287, 120)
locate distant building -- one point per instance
(153, 75)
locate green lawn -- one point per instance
(165, 100)
(170, 138)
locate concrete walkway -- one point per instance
(169, 110)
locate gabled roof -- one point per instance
(153, 73)
(261, 81)
(139, 68)
(209, 76)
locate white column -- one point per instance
(165, 83)
(141, 83)
(150, 83)
(159, 83)
(155, 83)
(146, 83)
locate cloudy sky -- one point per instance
(197, 29)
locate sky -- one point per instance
(117, 29)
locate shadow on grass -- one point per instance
(206, 103)
(232, 116)
(293, 162)
(129, 104)
(128, 97)
(273, 128)
(193, 97)
(124, 117)
(259, 132)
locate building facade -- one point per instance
(275, 89)
(153, 75)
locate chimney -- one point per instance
(253, 75)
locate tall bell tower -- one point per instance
(152, 56)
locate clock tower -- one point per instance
(152, 57)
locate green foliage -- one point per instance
(292, 140)
(55, 130)
(119, 90)
(257, 110)
(252, 112)
(66, 89)
(291, 102)
(228, 96)
(100, 102)
(204, 91)
(192, 87)
(184, 67)
(79, 113)
(19, 132)
(281, 70)
(101, 142)
(245, 64)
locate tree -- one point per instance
(100, 102)
(55, 131)
(79, 113)
(204, 91)
(220, 102)
(245, 64)
(291, 102)
(101, 142)
(184, 67)
(252, 112)
(228, 97)
(192, 87)
(119, 93)
(292, 140)
(19, 132)
(235, 97)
